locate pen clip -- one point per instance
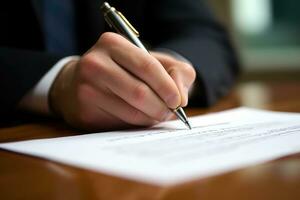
(128, 24)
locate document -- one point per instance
(169, 153)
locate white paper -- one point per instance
(171, 154)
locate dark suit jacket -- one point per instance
(185, 26)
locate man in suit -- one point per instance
(111, 83)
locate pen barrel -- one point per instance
(122, 28)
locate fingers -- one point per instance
(182, 73)
(116, 107)
(102, 72)
(92, 118)
(183, 88)
(115, 84)
(73, 102)
(144, 66)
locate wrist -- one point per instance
(60, 88)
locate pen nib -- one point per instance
(188, 125)
(181, 115)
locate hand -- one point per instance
(115, 85)
(182, 73)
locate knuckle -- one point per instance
(109, 39)
(89, 65)
(140, 93)
(148, 65)
(172, 71)
(189, 70)
(87, 59)
(192, 74)
(135, 117)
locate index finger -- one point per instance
(146, 68)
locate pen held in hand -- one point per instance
(118, 22)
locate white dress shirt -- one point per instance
(36, 100)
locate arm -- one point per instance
(36, 100)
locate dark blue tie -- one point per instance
(59, 27)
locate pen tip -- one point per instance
(188, 125)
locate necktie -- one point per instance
(59, 27)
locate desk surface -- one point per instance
(25, 177)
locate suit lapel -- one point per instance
(89, 20)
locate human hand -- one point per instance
(115, 85)
(181, 72)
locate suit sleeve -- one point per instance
(20, 70)
(189, 28)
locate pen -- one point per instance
(117, 21)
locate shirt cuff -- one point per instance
(36, 100)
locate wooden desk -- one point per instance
(25, 177)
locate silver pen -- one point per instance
(117, 21)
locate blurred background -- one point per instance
(266, 34)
